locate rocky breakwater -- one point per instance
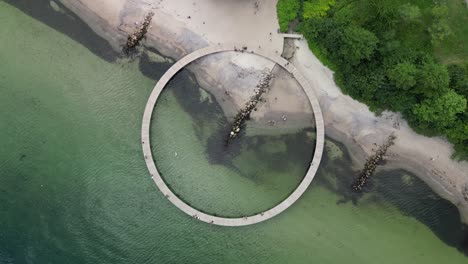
(372, 163)
(244, 113)
(135, 38)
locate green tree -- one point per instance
(432, 79)
(357, 44)
(458, 79)
(409, 13)
(458, 135)
(316, 8)
(440, 29)
(367, 79)
(439, 112)
(403, 75)
(380, 9)
(440, 11)
(287, 12)
(381, 15)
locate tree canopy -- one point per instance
(357, 44)
(433, 79)
(440, 112)
(403, 75)
(382, 52)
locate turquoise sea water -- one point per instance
(74, 187)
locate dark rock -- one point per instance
(244, 113)
(465, 192)
(371, 165)
(134, 39)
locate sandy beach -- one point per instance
(180, 27)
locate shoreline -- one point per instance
(178, 31)
(351, 122)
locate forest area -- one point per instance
(408, 56)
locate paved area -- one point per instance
(216, 220)
(294, 36)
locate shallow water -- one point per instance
(247, 176)
(74, 187)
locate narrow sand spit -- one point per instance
(180, 27)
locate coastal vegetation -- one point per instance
(287, 12)
(407, 56)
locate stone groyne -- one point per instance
(244, 113)
(372, 163)
(134, 39)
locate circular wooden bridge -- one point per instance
(224, 221)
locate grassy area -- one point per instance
(454, 50)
